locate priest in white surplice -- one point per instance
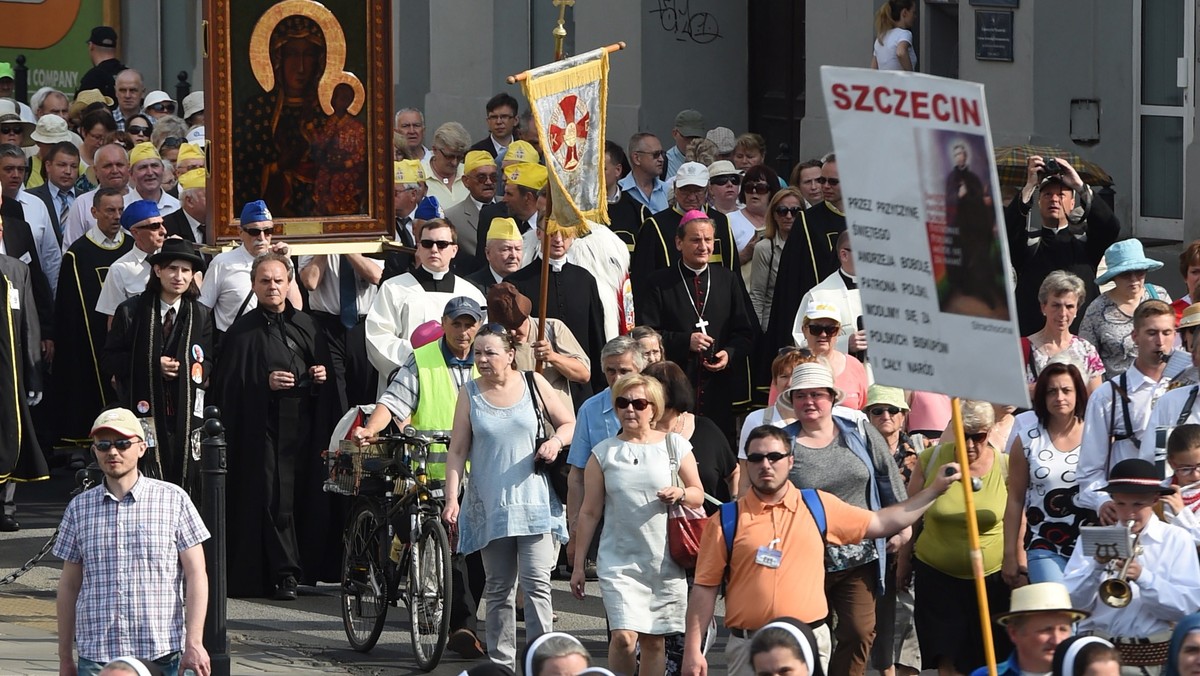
(405, 302)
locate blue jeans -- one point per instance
(169, 664)
(1045, 566)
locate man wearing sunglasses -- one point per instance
(775, 564)
(403, 303)
(128, 275)
(809, 256)
(157, 524)
(227, 288)
(479, 177)
(646, 159)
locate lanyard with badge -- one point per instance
(768, 555)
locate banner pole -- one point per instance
(519, 77)
(985, 619)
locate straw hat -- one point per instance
(809, 376)
(1043, 597)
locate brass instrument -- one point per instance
(1115, 591)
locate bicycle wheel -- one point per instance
(364, 577)
(429, 593)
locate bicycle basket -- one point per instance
(350, 464)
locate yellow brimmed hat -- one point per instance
(196, 178)
(142, 152)
(408, 171)
(503, 229)
(527, 175)
(521, 151)
(189, 151)
(476, 159)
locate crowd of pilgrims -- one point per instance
(723, 285)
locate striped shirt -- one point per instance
(131, 598)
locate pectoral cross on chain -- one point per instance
(702, 325)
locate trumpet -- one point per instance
(1115, 591)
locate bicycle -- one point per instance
(394, 535)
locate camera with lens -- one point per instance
(1051, 168)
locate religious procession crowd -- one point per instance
(701, 359)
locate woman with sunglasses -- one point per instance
(1041, 480)
(496, 427)
(630, 480)
(947, 614)
(851, 461)
(139, 127)
(781, 213)
(820, 328)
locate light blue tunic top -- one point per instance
(505, 497)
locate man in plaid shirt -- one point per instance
(127, 546)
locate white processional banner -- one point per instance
(922, 204)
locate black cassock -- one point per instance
(131, 353)
(280, 521)
(79, 392)
(809, 256)
(669, 304)
(656, 249)
(572, 297)
(21, 456)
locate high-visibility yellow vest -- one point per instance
(437, 396)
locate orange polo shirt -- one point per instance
(757, 594)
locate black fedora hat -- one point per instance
(1136, 476)
(177, 249)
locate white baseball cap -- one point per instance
(692, 173)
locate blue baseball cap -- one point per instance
(429, 209)
(255, 212)
(462, 305)
(137, 212)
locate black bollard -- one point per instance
(212, 473)
(182, 89)
(21, 93)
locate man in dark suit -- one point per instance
(502, 112)
(188, 222)
(408, 187)
(504, 249)
(700, 310)
(17, 241)
(58, 192)
(480, 177)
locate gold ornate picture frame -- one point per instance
(299, 115)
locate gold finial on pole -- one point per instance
(560, 31)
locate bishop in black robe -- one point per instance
(131, 354)
(79, 391)
(572, 297)
(655, 248)
(280, 523)
(671, 303)
(21, 456)
(809, 256)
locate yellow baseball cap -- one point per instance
(521, 151)
(196, 178)
(408, 171)
(142, 152)
(526, 174)
(503, 229)
(476, 159)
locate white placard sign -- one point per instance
(922, 205)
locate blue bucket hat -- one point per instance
(255, 212)
(429, 209)
(1126, 256)
(137, 212)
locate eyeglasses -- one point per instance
(439, 243)
(829, 181)
(106, 445)
(977, 437)
(499, 117)
(788, 349)
(823, 329)
(487, 178)
(138, 130)
(150, 226)
(165, 107)
(656, 154)
(755, 458)
(758, 188)
(637, 404)
(258, 232)
(12, 130)
(788, 211)
(171, 142)
(455, 157)
(815, 395)
(880, 410)
(1187, 469)
(726, 180)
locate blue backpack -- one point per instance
(729, 518)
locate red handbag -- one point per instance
(685, 524)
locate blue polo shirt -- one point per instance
(656, 201)
(595, 422)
